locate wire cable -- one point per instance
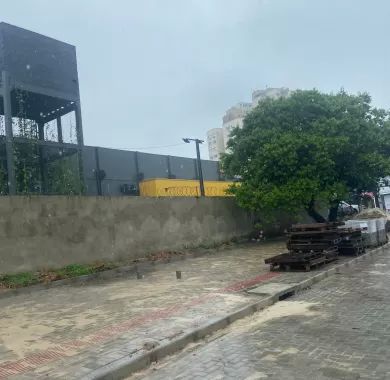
(155, 147)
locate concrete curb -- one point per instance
(126, 366)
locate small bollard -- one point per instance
(139, 276)
(178, 274)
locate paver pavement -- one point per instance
(339, 329)
(73, 331)
(67, 332)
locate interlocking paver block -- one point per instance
(338, 329)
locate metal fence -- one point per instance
(118, 172)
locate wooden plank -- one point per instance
(309, 233)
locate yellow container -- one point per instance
(160, 187)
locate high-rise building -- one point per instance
(218, 138)
(273, 93)
(233, 118)
(215, 143)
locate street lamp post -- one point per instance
(199, 163)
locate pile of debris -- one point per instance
(372, 213)
(310, 245)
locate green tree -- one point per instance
(309, 147)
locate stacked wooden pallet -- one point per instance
(309, 245)
(313, 237)
(352, 242)
(302, 260)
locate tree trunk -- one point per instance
(314, 214)
(333, 211)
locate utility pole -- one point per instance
(199, 163)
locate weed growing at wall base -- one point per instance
(19, 280)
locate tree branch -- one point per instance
(313, 213)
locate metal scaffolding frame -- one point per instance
(45, 70)
(7, 89)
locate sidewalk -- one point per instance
(338, 329)
(73, 331)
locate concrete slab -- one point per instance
(272, 288)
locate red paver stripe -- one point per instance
(247, 283)
(31, 362)
(4, 373)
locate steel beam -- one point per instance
(59, 130)
(42, 164)
(80, 141)
(61, 112)
(45, 91)
(6, 91)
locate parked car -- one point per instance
(347, 209)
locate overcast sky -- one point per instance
(154, 71)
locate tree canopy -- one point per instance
(308, 147)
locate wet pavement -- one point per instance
(338, 329)
(70, 331)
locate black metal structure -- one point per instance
(39, 89)
(39, 84)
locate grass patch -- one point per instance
(20, 280)
(75, 270)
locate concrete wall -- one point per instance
(51, 232)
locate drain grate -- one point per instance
(286, 295)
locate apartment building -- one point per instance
(217, 138)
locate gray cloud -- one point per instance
(152, 72)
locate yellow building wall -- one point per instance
(160, 187)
